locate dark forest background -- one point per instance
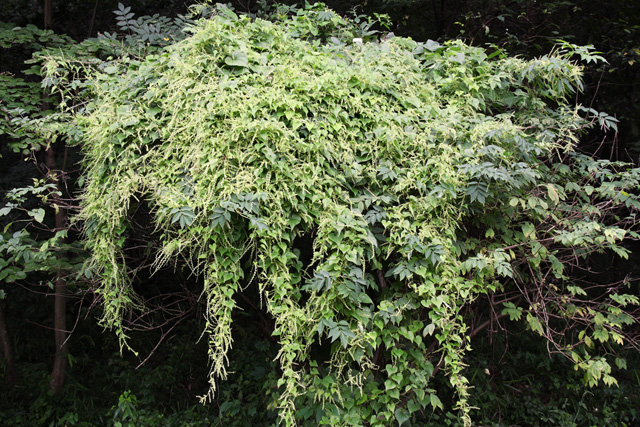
(516, 382)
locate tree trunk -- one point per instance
(5, 344)
(48, 15)
(62, 350)
(60, 299)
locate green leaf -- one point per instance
(228, 13)
(220, 217)
(402, 415)
(413, 406)
(535, 324)
(258, 223)
(529, 230)
(553, 194)
(111, 69)
(429, 329)
(37, 214)
(184, 216)
(432, 45)
(435, 401)
(601, 334)
(477, 192)
(576, 290)
(238, 58)
(514, 313)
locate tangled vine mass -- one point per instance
(370, 192)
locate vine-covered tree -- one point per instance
(364, 194)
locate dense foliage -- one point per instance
(367, 194)
(363, 229)
(530, 29)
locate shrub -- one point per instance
(367, 194)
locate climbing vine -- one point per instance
(422, 176)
